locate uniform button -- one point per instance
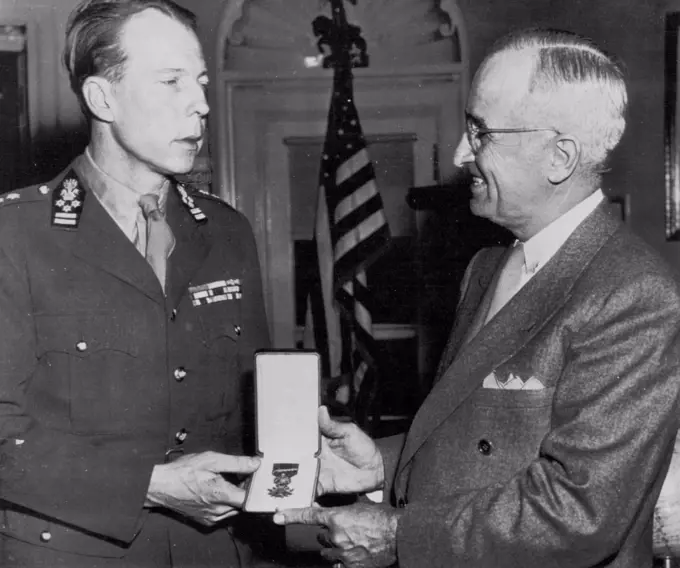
(401, 503)
(81, 346)
(46, 536)
(181, 436)
(484, 447)
(180, 373)
(173, 315)
(237, 329)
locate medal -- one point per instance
(283, 474)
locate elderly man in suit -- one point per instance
(131, 308)
(545, 439)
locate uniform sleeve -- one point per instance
(600, 467)
(53, 473)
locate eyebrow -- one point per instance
(181, 71)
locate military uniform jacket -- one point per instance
(101, 375)
(562, 467)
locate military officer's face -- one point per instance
(159, 105)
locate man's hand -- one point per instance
(350, 462)
(364, 535)
(193, 486)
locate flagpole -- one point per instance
(351, 227)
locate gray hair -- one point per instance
(577, 84)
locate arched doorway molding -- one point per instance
(451, 27)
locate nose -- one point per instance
(463, 153)
(199, 102)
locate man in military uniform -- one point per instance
(130, 309)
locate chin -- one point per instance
(181, 166)
(481, 207)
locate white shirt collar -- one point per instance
(540, 248)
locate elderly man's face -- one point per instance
(159, 105)
(508, 185)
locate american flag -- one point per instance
(351, 232)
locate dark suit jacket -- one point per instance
(99, 370)
(566, 475)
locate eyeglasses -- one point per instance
(475, 133)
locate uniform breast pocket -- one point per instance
(91, 362)
(217, 361)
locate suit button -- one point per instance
(181, 436)
(45, 536)
(401, 503)
(180, 373)
(484, 447)
(81, 346)
(173, 315)
(237, 329)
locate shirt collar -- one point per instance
(119, 200)
(540, 248)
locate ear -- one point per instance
(565, 156)
(98, 96)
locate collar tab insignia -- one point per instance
(67, 203)
(188, 201)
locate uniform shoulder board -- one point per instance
(26, 195)
(12, 197)
(213, 197)
(206, 193)
(67, 202)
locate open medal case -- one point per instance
(287, 384)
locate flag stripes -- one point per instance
(351, 232)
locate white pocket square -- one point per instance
(513, 382)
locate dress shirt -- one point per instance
(120, 201)
(540, 248)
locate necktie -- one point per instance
(509, 280)
(159, 238)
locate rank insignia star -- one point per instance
(67, 203)
(218, 291)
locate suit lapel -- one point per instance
(515, 325)
(192, 245)
(101, 243)
(479, 277)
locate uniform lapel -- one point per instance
(192, 245)
(512, 328)
(101, 243)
